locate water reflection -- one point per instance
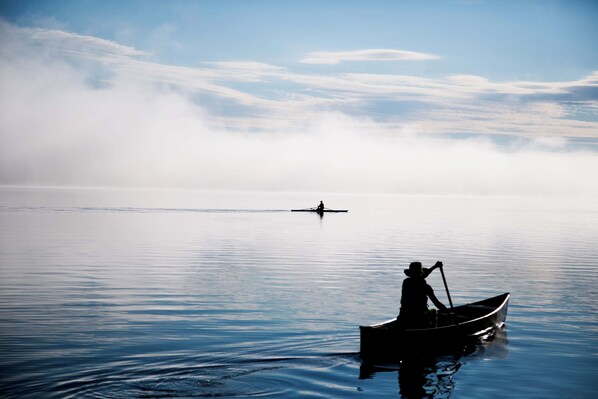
(430, 377)
(433, 377)
(135, 294)
(427, 378)
(495, 347)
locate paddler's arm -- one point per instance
(435, 300)
(430, 270)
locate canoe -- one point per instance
(461, 326)
(319, 211)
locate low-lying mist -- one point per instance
(65, 124)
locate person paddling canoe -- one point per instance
(320, 207)
(414, 311)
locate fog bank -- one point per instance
(65, 123)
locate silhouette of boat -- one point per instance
(460, 326)
(319, 211)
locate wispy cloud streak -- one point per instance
(80, 111)
(68, 42)
(519, 107)
(335, 57)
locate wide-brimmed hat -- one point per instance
(416, 270)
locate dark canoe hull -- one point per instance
(317, 211)
(466, 325)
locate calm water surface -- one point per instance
(124, 293)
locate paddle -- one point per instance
(446, 286)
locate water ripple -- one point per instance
(232, 300)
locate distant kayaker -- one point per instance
(320, 207)
(414, 298)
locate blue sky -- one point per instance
(523, 73)
(542, 40)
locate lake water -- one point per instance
(141, 293)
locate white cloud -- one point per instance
(245, 70)
(67, 42)
(479, 104)
(146, 127)
(335, 57)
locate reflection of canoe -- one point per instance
(462, 325)
(419, 377)
(319, 211)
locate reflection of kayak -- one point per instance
(319, 210)
(460, 326)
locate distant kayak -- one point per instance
(319, 210)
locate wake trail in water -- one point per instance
(41, 209)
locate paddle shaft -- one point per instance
(446, 286)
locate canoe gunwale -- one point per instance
(387, 340)
(486, 315)
(464, 323)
